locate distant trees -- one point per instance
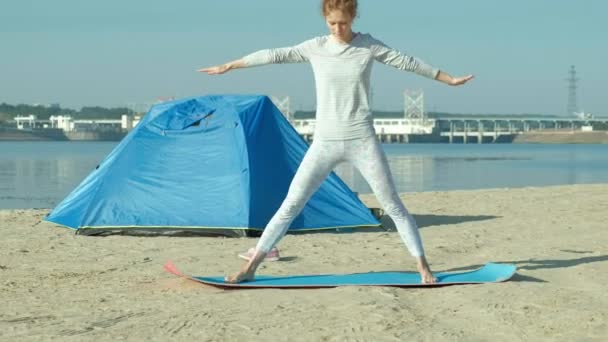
(42, 112)
(101, 112)
(4, 117)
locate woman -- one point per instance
(342, 63)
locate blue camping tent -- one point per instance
(204, 165)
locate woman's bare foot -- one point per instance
(239, 277)
(247, 272)
(426, 276)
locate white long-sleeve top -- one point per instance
(342, 77)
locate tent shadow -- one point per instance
(435, 220)
(289, 258)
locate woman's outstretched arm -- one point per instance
(389, 56)
(294, 54)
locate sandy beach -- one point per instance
(55, 285)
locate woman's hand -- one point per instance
(456, 81)
(223, 68)
(216, 70)
(453, 81)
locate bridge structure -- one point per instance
(416, 126)
(462, 129)
(490, 128)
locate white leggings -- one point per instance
(322, 157)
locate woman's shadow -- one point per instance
(535, 264)
(529, 264)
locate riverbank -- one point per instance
(562, 137)
(60, 286)
(13, 134)
(536, 137)
(53, 134)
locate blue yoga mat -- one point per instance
(489, 273)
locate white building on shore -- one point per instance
(69, 124)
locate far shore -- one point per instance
(562, 137)
(533, 137)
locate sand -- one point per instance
(55, 285)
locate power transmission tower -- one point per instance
(414, 105)
(572, 105)
(284, 105)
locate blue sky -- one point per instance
(112, 53)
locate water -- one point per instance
(432, 167)
(40, 174)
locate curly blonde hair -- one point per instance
(347, 6)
